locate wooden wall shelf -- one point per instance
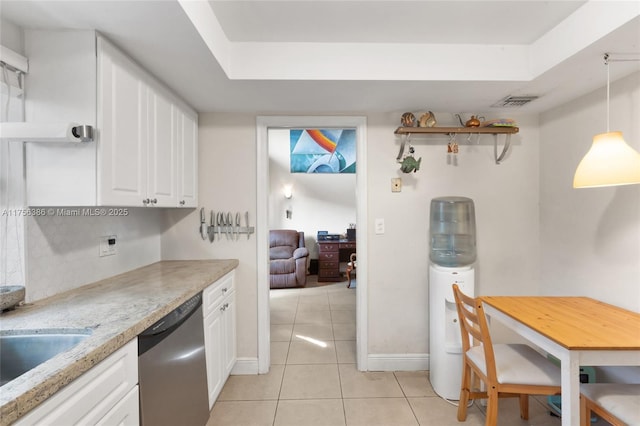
(447, 130)
(507, 131)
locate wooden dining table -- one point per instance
(579, 331)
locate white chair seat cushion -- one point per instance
(620, 399)
(518, 364)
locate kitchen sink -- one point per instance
(20, 352)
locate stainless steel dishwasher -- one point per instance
(172, 369)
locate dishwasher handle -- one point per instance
(165, 326)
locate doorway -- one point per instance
(263, 124)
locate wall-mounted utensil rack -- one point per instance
(508, 131)
(224, 224)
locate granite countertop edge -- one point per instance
(114, 310)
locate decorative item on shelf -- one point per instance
(428, 119)
(452, 146)
(609, 161)
(408, 119)
(409, 163)
(499, 122)
(472, 122)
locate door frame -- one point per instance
(263, 123)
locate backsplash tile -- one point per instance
(62, 251)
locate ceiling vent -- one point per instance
(514, 101)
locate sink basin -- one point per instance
(26, 350)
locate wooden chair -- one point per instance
(617, 403)
(506, 370)
(351, 268)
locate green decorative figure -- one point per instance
(410, 164)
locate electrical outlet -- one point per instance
(379, 226)
(107, 245)
(396, 184)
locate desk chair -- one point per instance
(617, 403)
(351, 268)
(507, 370)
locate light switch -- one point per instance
(379, 226)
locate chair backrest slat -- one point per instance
(473, 323)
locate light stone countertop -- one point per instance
(116, 310)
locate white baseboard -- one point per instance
(397, 362)
(376, 362)
(245, 366)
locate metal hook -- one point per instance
(406, 139)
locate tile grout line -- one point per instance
(286, 362)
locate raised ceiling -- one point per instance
(315, 57)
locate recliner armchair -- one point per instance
(288, 259)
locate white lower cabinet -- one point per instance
(219, 311)
(107, 394)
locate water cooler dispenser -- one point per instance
(452, 254)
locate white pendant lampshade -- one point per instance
(609, 161)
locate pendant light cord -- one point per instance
(606, 62)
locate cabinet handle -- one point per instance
(154, 201)
(182, 202)
(226, 305)
(224, 290)
(146, 201)
(222, 308)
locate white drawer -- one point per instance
(212, 296)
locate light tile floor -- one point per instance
(313, 379)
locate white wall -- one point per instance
(506, 202)
(227, 182)
(12, 36)
(506, 198)
(590, 237)
(320, 202)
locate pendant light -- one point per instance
(609, 161)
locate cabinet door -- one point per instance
(122, 138)
(163, 132)
(125, 413)
(214, 354)
(187, 160)
(93, 395)
(229, 327)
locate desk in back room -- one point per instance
(330, 254)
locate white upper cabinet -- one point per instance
(145, 148)
(122, 120)
(187, 159)
(162, 149)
